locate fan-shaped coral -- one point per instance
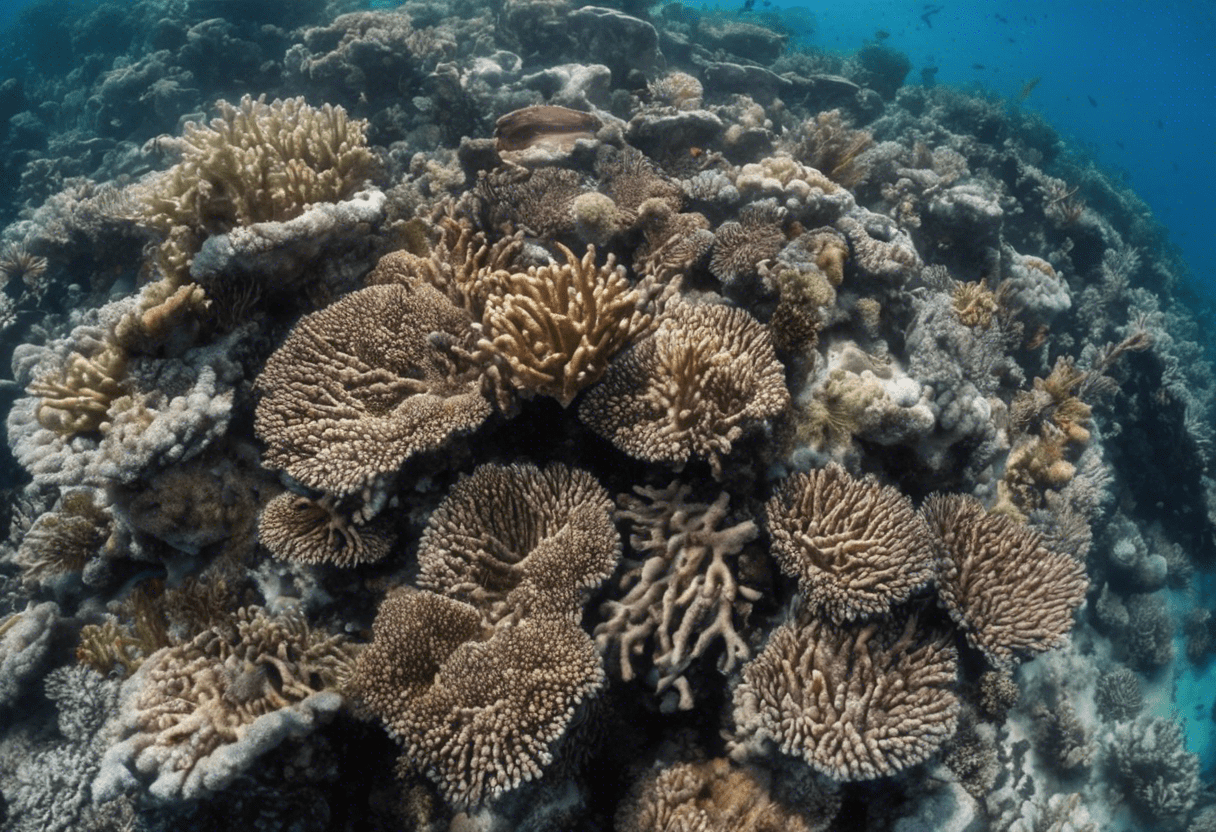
(1008, 593)
(855, 702)
(303, 530)
(690, 389)
(507, 525)
(477, 713)
(359, 387)
(857, 547)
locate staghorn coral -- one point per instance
(302, 530)
(255, 162)
(504, 526)
(683, 594)
(691, 388)
(716, 796)
(552, 330)
(195, 715)
(359, 387)
(857, 547)
(477, 712)
(1006, 592)
(855, 702)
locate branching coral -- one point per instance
(1006, 592)
(1117, 695)
(716, 796)
(256, 162)
(476, 711)
(549, 530)
(79, 399)
(684, 593)
(303, 530)
(690, 389)
(857, 547)
(1153, 769)
(62, 541)
(359, 387)
(552, 330)
(855, 702)
(194, 716)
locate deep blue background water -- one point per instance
(1149, 68)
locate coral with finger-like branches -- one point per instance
(855, 702)
(857, 547)
(684, 594)
(552, 330)
(1008, 593)
(691, 388)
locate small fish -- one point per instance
(978, 66)
(881, 35)
(748, 5)
(930, 10)
(1175, 164)
(1028, 87)
(1002, 19)
(1091, 100)
(1120, 144)
(1160, 125)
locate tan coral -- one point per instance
(543, 124)
(684, 595)
(717, 796)
(974, 304)
(79, 399)
(362, 385)
(477, 712)
(303, 530)
(195, 699)
(255, 162)
(60, 542)
(856, 702)
(1009, 594)
(691, 389)
(507, 525)
(857, 547)
(553, 329)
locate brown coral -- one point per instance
(855, 702)
(506, 525)
(857, 547)
(741, 245)
(552, 330)
(360, 386)
(685, 593)
(690, 389)
(476, 712)
(302, 530)
(716, 796)
(1008, 593)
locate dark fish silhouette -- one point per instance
(978, 66)
(1091, 100)
(1002, 19)
(930, 10)
(1160, 126)
(748, 5)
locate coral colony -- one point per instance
(568, 418)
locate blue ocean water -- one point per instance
(1131, 84)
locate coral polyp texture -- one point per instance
(1010, 595)
(543, 416)
(855, 702)
(856, 547)
(691, 389)
(359, 387)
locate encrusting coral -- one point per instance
(691, 388)
(855, 702)
(684, 593)
(1008, 594)
(857, 547)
